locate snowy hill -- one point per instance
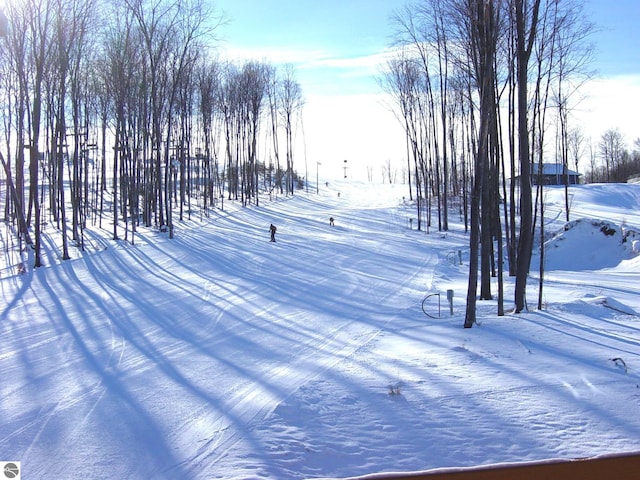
(219, 354)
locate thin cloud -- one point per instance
(310, 58)
(368, 61)
(277, 55)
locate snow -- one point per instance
(221, 355)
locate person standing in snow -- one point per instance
(331, 222)
(273, 229)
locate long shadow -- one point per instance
(586, 332)
(145, 295)
(90, 306)
(142, 420)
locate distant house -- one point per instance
(552, 174)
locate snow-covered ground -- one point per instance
(221, 355)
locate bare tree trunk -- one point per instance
(483, 37)
(525, 34)
(22, 223)
(542, 252)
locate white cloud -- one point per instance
(358, 128)
(612, 102)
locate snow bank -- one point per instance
(590, 244)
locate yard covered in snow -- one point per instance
(221, 355)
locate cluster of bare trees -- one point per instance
(478, 86)
(118, 107)
(616, 163)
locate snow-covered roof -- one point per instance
(553, 169)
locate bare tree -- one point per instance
(291, 103)
(40, 30)
(15, 56)
(576, 146)
(208, 95)
(526, 21)
(572, 57)
(483, 34)
(255, 78)
(123, 62)
(273, 97)
(403, 81)
(611, 148)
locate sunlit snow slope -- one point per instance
(219, 354)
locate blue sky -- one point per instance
(617, 39)
(338, 49)
(329, 40)
(349, 26)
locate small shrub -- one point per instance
(395, 389)
(607, 230)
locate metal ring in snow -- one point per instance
(424, 301)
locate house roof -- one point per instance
(553, 169)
